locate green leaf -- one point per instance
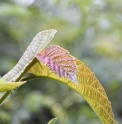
(88, 86)
(53, 121)
(8, 86)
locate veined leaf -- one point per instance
(88, 86)
(53, 121)
(39, 42)
(59, 61)
(8, 86)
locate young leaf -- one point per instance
(59, 61)
(53, 121)
(38, 43)
(8, 86)
(88, 86)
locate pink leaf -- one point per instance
(59, 61)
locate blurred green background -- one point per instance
(90, 29)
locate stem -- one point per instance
(4, 97)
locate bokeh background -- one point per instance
(90, 29)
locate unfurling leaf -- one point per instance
(88, 85)
(39, 42)
(53, 121)
(8, 86)
(59, 61)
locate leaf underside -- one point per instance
(38, 43)
(88, 86)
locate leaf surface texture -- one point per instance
(88, 86)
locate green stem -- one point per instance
(4, 97)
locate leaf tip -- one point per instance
(53, 121)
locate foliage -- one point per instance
(90, 30)
(88, 86)
(59, 65)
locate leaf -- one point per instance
(28, 58)
(59, 61)
(37, 44)
(88, 86)
(8, 86)
(53, 121)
